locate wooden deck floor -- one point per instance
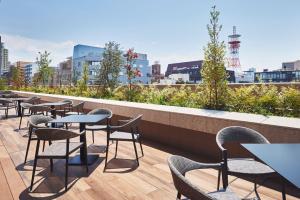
(123, 180)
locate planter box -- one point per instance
(189, 129)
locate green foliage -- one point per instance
(213, 73)
(82, 83)
(3, 84)
(17, 78)
(45, 72)
(110, 68)
(258, 99)
(290, 102)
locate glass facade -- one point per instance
(93, 55)
(29, 71)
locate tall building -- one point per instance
(21, 66)
(29, 71)
(291, 66)
(92, 56)
(193, 68)
(156, 73)
(83, 54)
(65, 72)
(4, 64)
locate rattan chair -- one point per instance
(179, 166)
(36, 122)
(57, 150)
(63, 109)
(32, 110)
(125, 132)
(76, 109)
(248, 167)
(33, 100)
(6, 104)
(101, 126)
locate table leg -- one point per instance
(79, 159)
(19, 109)
(283, 191)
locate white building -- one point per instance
(246, 76)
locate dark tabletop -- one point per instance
(80, 119)
(54, 104)
(283, 158)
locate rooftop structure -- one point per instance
(193, 68)
(234, 46)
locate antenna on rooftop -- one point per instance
(234, 46)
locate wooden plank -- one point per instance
(14, 180)
(151, 180)
(4, 188)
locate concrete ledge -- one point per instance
(187, 128)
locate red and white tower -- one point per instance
(234, 46)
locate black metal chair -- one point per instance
(32, 110)
(179, 166)
(77, 109)
(62, 110)
(125, 132)
(6, 104)
(33, 100)
(36, 122)
(101, 126)
(57, 150)
(248, 167)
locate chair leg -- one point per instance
(27, 149)
(44, 145)
(28, 144)
(178, 195)
(66, 175)
(219, 179)
(33, 173)
(20, 121)
(34, 164)
(116, 149)
(141, 147)
(106, 157)
(86, 158)
(136, 154)
(93, 137)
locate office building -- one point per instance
(193, 68)
(92, 56)
(278, 76)
(29, 71)
(156, 75)
(4, 64)
(65, 72)
(291, 66)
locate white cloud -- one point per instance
(26, 49)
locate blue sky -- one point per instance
(167, 30)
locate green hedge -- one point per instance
(259, 99)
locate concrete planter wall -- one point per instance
(189, 129)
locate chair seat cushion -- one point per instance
(96, 127)
(248, 166)
(59, 148)
(223, 195)
(123, 135)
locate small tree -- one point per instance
(131, 71)
(16, 77)
(82, 83)
(213, 73)
(110, 67)
(43, 63)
